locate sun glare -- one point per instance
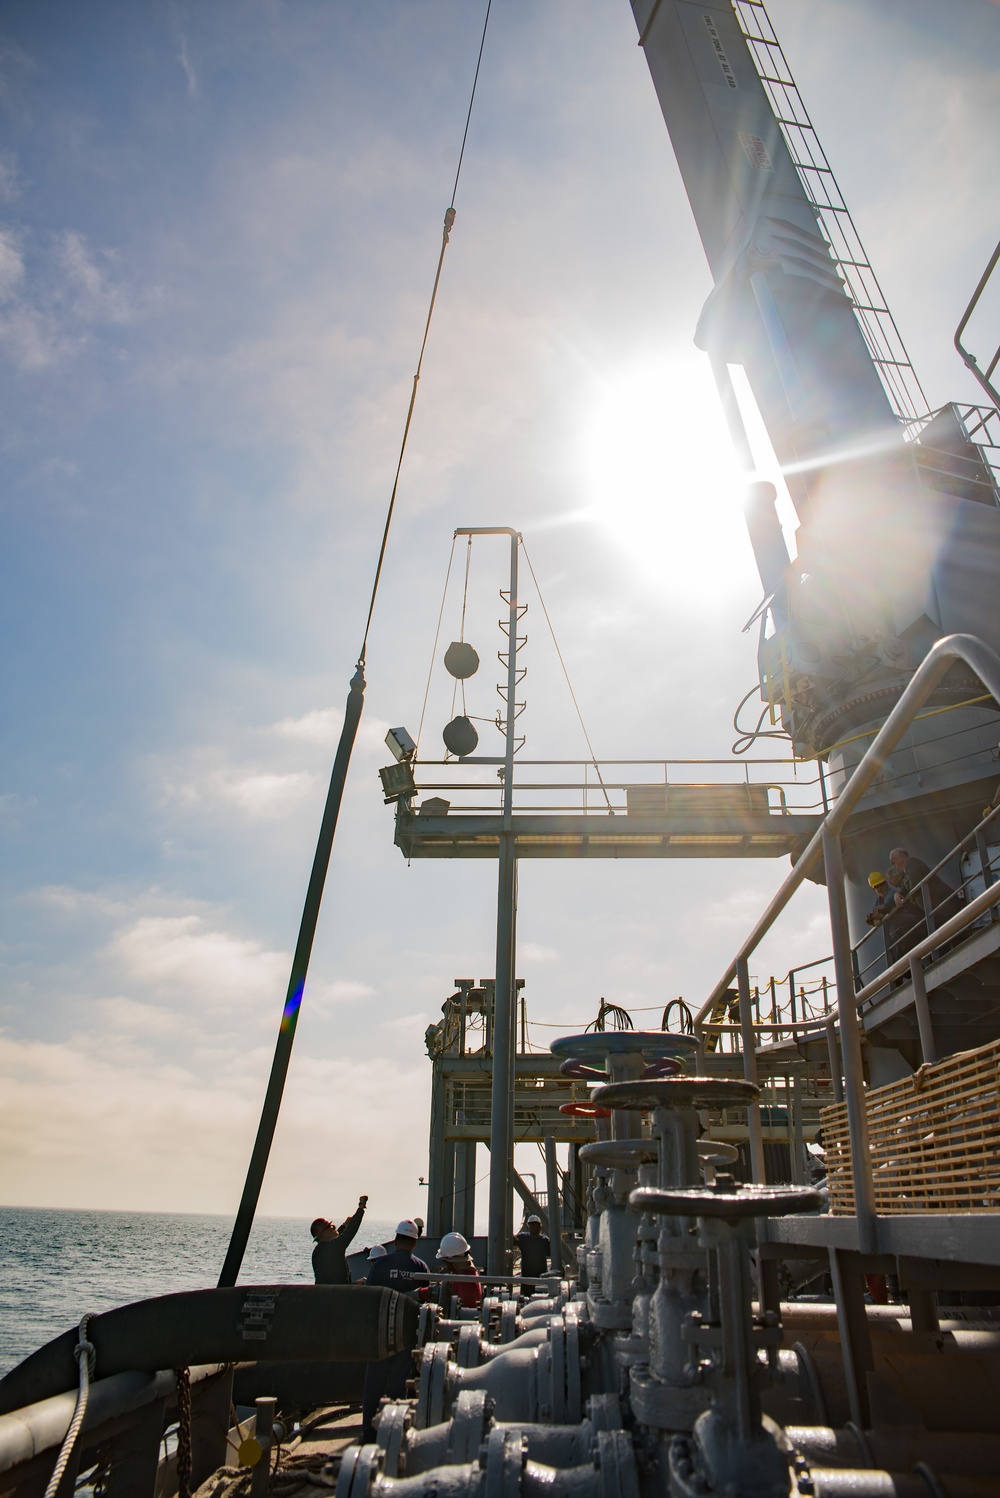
(660, 475)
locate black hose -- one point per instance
(296, 983)
(282, 1323)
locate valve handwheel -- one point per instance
(728, 1203)
(677, 1092)
(620, 1154)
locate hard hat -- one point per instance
(378, 1252)
(407, 1229)
(876, 878)
(453, 1245)
(533, 1218)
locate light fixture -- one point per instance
(400, 744)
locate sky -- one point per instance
(218, 230)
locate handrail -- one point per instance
(969, 360)
(937, 938)
(975, 654)
(826, 843)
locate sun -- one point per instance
(659, 473)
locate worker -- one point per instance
(397, 1270)
(534, 1247)
(456, 1258)
(944, 900)
(378, 1252)
(329, 1257)
(882, 905)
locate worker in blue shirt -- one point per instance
(396, 1271)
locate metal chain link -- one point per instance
(183, 1376)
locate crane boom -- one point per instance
(899, 520)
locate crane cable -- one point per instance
(569, 684)
(449, 220)
(268, 1120)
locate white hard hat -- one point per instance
(452, 1245)
(407, 1229)
(533, 1218)
(378, 1252)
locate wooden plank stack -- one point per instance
(934, 1137)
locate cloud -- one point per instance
(11, 265)
(184, 956)
(95, 296)
(185, 62)
(85, 1125)
(323, 724)
(257, 793)
(140, 1019)
(56, 291)
(533, 951)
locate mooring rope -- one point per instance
(86, 1356)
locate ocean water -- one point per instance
(55, 1266)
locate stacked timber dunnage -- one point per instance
(934, 1139)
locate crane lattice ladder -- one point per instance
(880, 332)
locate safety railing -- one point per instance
(825, 845)
(915, 913)
(628, 787)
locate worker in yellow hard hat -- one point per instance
(882, 905)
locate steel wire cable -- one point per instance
(449, 220)
(569, 684)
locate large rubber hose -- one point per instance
(282, 1323)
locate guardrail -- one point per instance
(608, 786)
(826, 845)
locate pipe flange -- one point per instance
(503, 1457)
(616, 1460)
(467, 1351)
(360, 1469)
(432, 1385)
(393, 1423)
(470, 1422)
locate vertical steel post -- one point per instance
(447, 1209)
(797, 1137)
(436, 1153)
(260, 1479)
(750, 1073)
(504, 1012)
(553, 1205)
(928, 1046)
(833, 1051)
(850, 1043)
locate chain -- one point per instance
(183, 1376)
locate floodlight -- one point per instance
(400, 743)
(397, 781)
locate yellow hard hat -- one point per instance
(876, 879)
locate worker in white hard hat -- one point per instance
(456, 1258)
(398, 1269)
(377, 1252)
